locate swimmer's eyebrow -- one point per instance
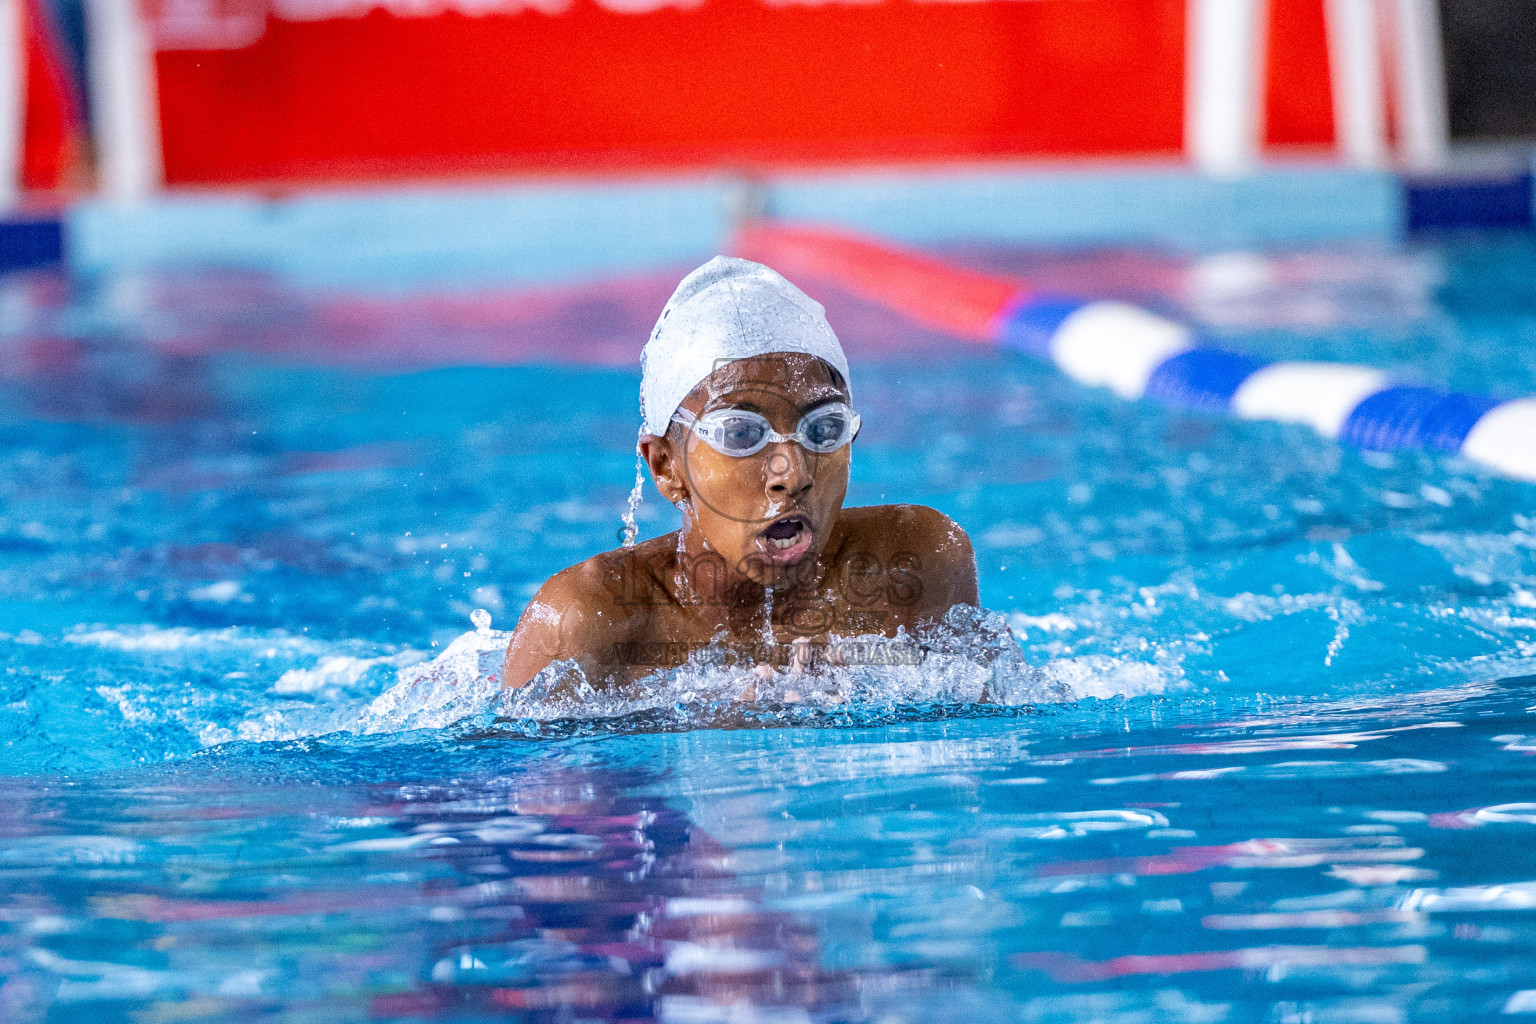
(802, 411)
(724, 402)
(827, 397)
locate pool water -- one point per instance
(1272, 763)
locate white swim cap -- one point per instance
(728, 309)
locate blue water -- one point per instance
(1275, 764)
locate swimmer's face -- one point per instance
(768, 513)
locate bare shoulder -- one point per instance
(926, 541)
(910, 527)
(579, 613)
(579, 590)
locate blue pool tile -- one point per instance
(1480, 203)
(30, 243)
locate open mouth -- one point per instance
(785, 540)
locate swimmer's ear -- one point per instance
(666, 468)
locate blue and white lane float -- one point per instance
(1137, 354)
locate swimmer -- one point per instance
(749, 422)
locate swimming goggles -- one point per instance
(742, 432)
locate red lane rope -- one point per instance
(959, 302)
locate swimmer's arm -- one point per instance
(566, 620)
(948, 561)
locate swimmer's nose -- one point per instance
(789, 472)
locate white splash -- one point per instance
(973, 658)
(464, 680)
(1099, 675)
(338, 673)
(636, 495)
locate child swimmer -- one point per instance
(748, 426)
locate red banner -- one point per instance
(54, 137)
(323, 90)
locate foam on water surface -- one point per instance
(325, 693)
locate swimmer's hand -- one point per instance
(802, 664)
(763, 673)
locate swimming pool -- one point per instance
(1295, 785)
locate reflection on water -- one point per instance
(576, 897)
(1338, 861)
(542, 893)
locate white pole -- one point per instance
(13, 101)
(1355, 63)
(124, 103)
(1224, 95)
(1421, 110)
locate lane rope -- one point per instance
(1138, 354)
